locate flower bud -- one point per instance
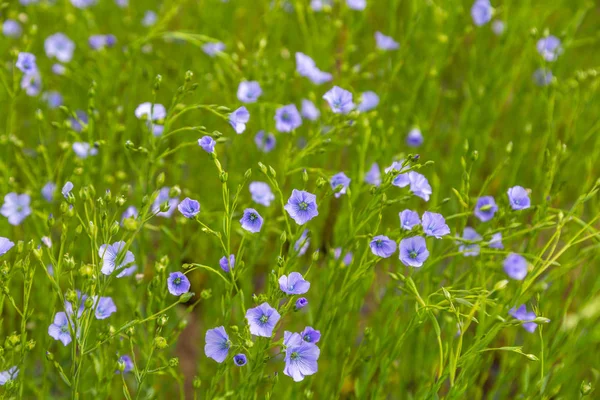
(160, 342)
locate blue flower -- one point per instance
(59, 329)
(53, 99)
(413, 251)
(214, 48)
(11, 29)
(301, 360)
(549, 48)
(481, 12)
(337, 180)
(128, 363)
(153, 114)
(369, 100)
(83, 3)
(373, 176)
(287, 118)
(60, 47)
(414, 138)
(9, 375)
(339, 100)
(409, 219)
(293, 284)
(150, 18)
(32, 83)
(238, 119)
(207, 143)
(240, 360)
(261, 193)
(264, 141)
(249, 91)
(262, 320)
(163, 196)
(358, 5)
(48, 191)
(515, 266)
(385, 42)
(310, 335)
(472, 249)
(189, 207)
(59, 69)
(301, 303)
(251, 220)
(217, 344)
(178, 283)
(382, 246)
(113, 259)
(419, 185)
(5, 245)
(105, 307)
(302, 243)
(302, 206)
(337, 253)
(306, 67)
(435, 225)
(130, 212)
(26, 63)
(496, 241)
(518, 198)
(227, 264)
(84, 150)
(522, 315)
(66, 190)
(485, 208)
(309, 110)
(542, 77)
(16, 207)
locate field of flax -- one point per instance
(267, 199)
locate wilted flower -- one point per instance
(498, 27)
(59, 329)
(481, 12)
(127, 362)
(227, 264)
(309, 110)
(5, 245)
(337, 180)
(152, 113)
(217, 344)
(413, 251)
(130, 212)
(373, 176)
(485, 208)
(251, 220)
(60, 47)
(293, 284)
(287, 118)
(385, 42)
(339, 100)
(262, 320)
(549, 48)
(518, 198)
(515, 266)
(470, 249)
(249, 91)
(16, 207)
(113, 258)
(337, 252)
(382, 246)
(189, 207)
(414, 137)
(302, 206)
(178, 283)
(264, 141)
(408, 219)
(207, 143)
(522, 315)
(261, 193)
(238, 119)
(435, 225)
(106, 306)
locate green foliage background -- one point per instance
(388, 331)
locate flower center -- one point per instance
(303, 206)
(285, 117)
(294, 355)
(64, 329)
(252, 217)
(239, 360)
(307, 338)
(413, 254)
(177, 281)
(264, 319)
